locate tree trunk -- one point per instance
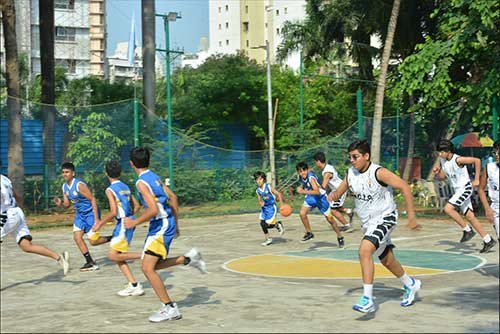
(411, 149)
(15, 153)
(148, 57)
(46, 16)
(379, 99)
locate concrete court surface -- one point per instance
(36, 297)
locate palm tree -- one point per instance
(15, 155)
(46, 16)
(148, 56)
(379, 98)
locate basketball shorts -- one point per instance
(461, 199)
(122, 237)
(15, 225)
(160, 235)
(268, 213)
(378, 231)
(320, 202)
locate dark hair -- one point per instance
(301, 166)
(68, 165)
(113, 169)
(445, 145)
(361, 145)
(320, 156)
(259, 174)
(496, 145)
(140, 157)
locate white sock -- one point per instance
(406, 280)
(487, 238)
(467, 228)
(368, 290)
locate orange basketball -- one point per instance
(285, 210)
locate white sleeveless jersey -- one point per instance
(458, 176)
(7, 198)
(335, 180)
(373, 200)
(492, 169)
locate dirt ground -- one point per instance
(36, 297)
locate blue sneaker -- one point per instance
(411, 292)
(365, 305)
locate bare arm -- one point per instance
(261, 203)
(65, 203)
(461, 161)
(278, 194)
(391, 179)
(342, 188)
(108, 216)
(314, 191)
(482, 196)
(135, 204)
(438, 170)
(85, 191)
(326, 179)
(149, 212)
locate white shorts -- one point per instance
(378, 232)
(15, 225)
(496, 217)
(461, 199)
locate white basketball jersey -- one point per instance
(458, 176)
(335, 180)
(493, 186)
(372, 199)
(7, 198)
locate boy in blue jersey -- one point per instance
(266, 196)
(161, 211)
(121, 204)
(315, 196)
(77, 192)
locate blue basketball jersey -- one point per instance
(123, 198)
(307, 185)
(80, 202)
(153, 182)
(266, 195)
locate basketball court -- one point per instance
(286, 287)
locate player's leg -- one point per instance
(267, 221)
(488, 241)
(304, 211)
(365, 253)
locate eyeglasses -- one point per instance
(353, 157)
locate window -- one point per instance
(220, 26)
(245, 26)
(227, 8)
(219, 9)
(266, 24)
(278, 31)
(248, 43)
(65, 34)
(227, 25)
(277, 12)
(227, 42)
(220, 43)
(286, 10)
(68, 64)
(64, 4)
(246, 9)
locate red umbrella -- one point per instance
(472, 139)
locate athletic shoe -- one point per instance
(196, 260)
(131, 290)
(89, 267)
(350, 214)
(467, 236)
(411, 292)
(487, 246)
(308, 236)
(166, 312)
(280, 227)
(346, 228)
(64, 262)
(267, 242)
(365, 305)
(341, 242)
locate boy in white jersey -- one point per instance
(315, 196)
(13, 221)
(490, 178)
(377, 210)
(266, 196)
(161, 211)
(77, 193)
(331, 179)
(122, 203)
(454, 168)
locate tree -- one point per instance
(379, 99)
(46, 16)
(15, 154)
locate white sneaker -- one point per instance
(196, 260)
(166, 312)
(64, 262)
(280, 227)
(365, 305)
(267, 242)
(131, 290)
(411, 292)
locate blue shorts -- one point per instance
(122, 237)
(160, 235)
(268, 213)
(84, 221)
(318, 201)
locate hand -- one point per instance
(128, 222)
(412, 223)
(301, 191)
(177, 233)
(475, 183)
(97, 226)
(333, 196)
(436, 170)
(57, 201)
(490, 215)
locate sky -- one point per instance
(185, 33)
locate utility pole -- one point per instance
(171, 16)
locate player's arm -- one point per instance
(315, 188)
(341, 189)
(18, 198)
(461, 161)
(85, 191)
(326, 178)
(386, 176)
(65, 203)
(438, 170)
(108, 216)
(261, 203)
(150, 211)
(482, 196)
(174, 205)
(278, 194)
(135, 204)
